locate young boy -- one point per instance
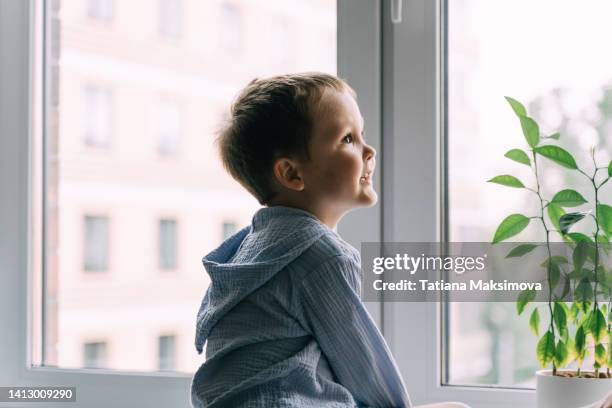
(282, 318)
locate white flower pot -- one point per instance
(563, 392)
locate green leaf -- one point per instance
(561, 354)
(604, 214)
(574, 311)
(569, 343)
(584, 291)
(580, 253)
(546, 349)
(600, 354)
(523, 299)
(534, 322)
(609, 360)
(568, 198)
(555, 260)
(566, 288)
(560, 317)
(598, 326)
(518, 156)
(580, 340)
(521, 250)
(579, 237)
(507, 180)
(555, 136)
(604, 240)
(517, 107)
(510, 226)
(530, 130)
(558, 155)
(555, 275)
(567, 220)
(555, 212)
(610, 169)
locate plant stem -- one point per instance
(550, 310)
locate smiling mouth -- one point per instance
(367, 177)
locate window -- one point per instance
(170, 18)
(97, 117)
(96, 244)
(150, 102)
(167, 352)
(566, 86)
(279, 41)
(229, 228)
(132, 186)
(167, 244)
(94, 355)
(169, 127)
(100, 9)
(231, 28)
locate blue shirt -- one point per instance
(283, 323)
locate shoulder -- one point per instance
(331, 245)
(332, 258)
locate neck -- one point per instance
(328, 216)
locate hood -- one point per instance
(251, 257)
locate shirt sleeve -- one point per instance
(331, 310)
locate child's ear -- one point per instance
(287, 173)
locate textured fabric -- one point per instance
(283, 325)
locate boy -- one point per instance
(282, 318)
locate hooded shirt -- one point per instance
(283, 324)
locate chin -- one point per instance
(369, 199)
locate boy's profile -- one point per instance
(282, 320)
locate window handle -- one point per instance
(396, 11)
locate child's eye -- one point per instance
(347, 139)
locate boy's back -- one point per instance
(284, 324)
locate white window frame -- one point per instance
(414, 132)
(107, 388)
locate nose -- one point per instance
(370, 155)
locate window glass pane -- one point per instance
(232, 31)
(525, 50)
(100, 9)
(134, 184)
(97, 115)
(166, 352)
(168, 126)
(167, 244)
(170, 17)
(94, 355)
(229, 228)
(96, 243)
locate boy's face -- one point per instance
(339, 174)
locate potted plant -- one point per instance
(581, 329)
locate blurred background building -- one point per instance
(136, 193)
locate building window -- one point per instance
(170, 18)
(231, 29)
(167, 352)
(229, 228)
(96, 243)
(94, 355)
(126, 86)
(97, 116)
(280, 41)
(169, 127)
(101, 10)
(167, 244)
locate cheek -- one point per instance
(343, 171)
